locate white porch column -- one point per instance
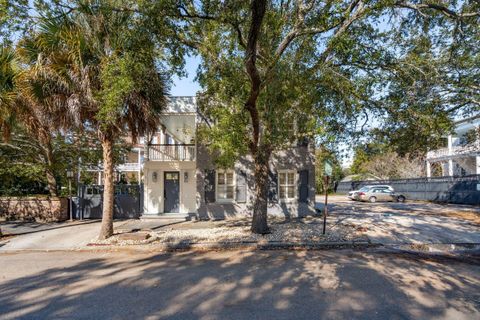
(450, 144)
(146, 152)
(139, 166)
(429, 169)
(477, 164)
(99, 177)
(450, 167)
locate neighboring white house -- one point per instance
(461, 156)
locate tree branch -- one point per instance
(349, 18)
(438, 7)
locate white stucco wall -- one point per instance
(153, 201)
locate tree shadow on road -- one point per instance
(249, 284)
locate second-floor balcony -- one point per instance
(129, 166)
(455, 151)
(171, 152)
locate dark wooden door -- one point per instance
(171, 192)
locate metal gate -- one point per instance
(128, 202)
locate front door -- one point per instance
(171, 192)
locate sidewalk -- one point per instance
(15, 228)
(75, 235)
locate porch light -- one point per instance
(154, 176)
(185, 177)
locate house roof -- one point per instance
(469, 119)
(462, 126)
(181, 104)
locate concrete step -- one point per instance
(169, 216)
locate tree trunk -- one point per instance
(51, 182)
(259, 219)
(49, 172)
(106, 230)
(260, 155)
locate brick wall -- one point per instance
(44, 209)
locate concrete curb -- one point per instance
(457, 248)
(219, 246)
(434, 248)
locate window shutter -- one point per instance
(241, 196)
(303, 186)
(209, 186)
(273, 187)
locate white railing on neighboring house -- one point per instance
(133, 166)
(121, 167)
(469, 149)
(171, 152)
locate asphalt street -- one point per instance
(337, 284)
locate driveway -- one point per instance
(237, 285)
(409, 222)
(66, 235)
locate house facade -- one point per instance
(180, 177)
(461, 155)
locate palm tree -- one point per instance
(9, 72)
(19, 105)
(97, 67)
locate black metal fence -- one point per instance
(128, 202)
(461, 190)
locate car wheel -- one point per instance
(401, 199)
(372, 199)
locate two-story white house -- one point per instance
(461, 156)
(180, 177)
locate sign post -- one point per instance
(70, 207)
(328, 172)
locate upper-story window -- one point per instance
(225, 185)
(287, 184)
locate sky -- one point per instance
(187, 86)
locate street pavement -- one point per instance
(341, 284)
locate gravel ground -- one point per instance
(238, 230)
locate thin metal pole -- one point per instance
(70, 197)
(325, 208)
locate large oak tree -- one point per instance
(270, 66)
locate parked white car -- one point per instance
(380, 194)
(353, 195)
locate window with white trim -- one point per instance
(286, 185)
(225, 185)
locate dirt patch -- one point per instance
(134, 236)
(238, 230)
(305, 230)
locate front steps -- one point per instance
(169, 216)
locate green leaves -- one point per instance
(116, 83)
(9, 73)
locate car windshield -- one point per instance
(364, 189)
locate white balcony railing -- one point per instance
(120, 167)
(469, 149)
(129, 167)
(171, 152)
